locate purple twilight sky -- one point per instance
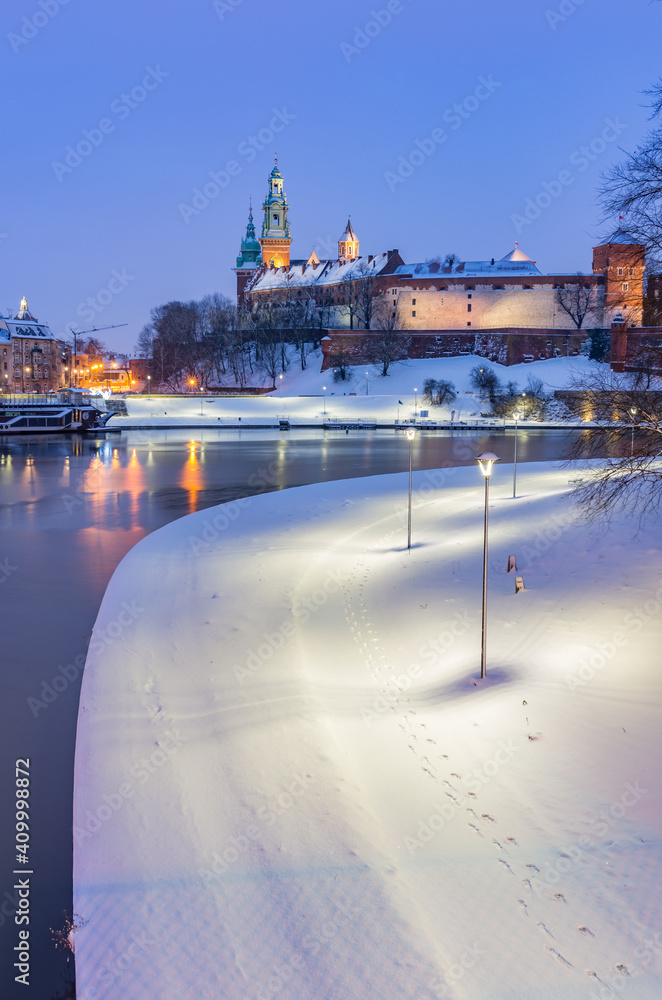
(434, 124)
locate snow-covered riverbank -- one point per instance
(312, 398)
(289, 782)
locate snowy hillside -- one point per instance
(311, 396)
(291, 784)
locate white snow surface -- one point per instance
(302, 397)
(290, 781)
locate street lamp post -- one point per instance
(485, 464)
(633, 413)
(202, 389)
(281, 383)
(415, 403)
(411, 434)
(516, 416)
(149, 387)
(324, 390)
(366, 383)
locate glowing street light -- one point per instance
(633, 414)
(415, 402)
(485, 464)
(516, 417)
(324, 391)
(411, 434)
(366, 383)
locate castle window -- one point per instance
(276, 218)
(631, 271)
(469, 295)
(413, 312)
(620, 271)
(469, 307)
(626, 286)
(413, 302)
(468, 324)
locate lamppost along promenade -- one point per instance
(411, 434)
(485, 464)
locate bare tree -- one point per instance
(360, 290)
(632, 189)
(387, 347)
(625, 424)
(577, 300)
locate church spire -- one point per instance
(275, 240)
(348, 244)
(250, 247)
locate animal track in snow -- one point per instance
(558, 957)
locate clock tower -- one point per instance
(275, 240)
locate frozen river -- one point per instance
(70, 510)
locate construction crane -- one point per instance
(81, 333)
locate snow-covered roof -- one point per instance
(327, 272)
(510, 266)
(28, 328)
(349, 235)
(517, 254)
(5, 335)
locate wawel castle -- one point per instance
(443, 307)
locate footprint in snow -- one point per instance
(427, 771)
(471, 795)
(545, 929)
(506, 865)
(623, 969)
(511, 840)
(561, 898)
(586, 930)
(490, 818)
(524, 906)
(475, 829)
(527, 882)
(533, 867)
(558, 957)
(497, 844)
(454, 775)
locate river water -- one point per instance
(70, 509)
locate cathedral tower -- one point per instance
(275, 240)
(249, 258)
(348, 244)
